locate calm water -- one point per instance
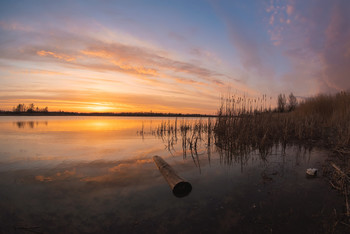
(96, 175)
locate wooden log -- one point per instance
(178, 185)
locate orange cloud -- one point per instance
(143, 61)
(100, 53)
(55, 55)
(124, 63)
(38, 71)
(138, 69)
(188, 81)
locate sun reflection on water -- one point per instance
(97, 173)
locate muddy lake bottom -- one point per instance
(96, 175)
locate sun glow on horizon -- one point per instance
(100, 108)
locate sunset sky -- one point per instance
(169, 56)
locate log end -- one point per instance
(182, 189)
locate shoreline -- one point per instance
(106, 114)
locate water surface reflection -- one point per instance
(96, 175)
(30, 124)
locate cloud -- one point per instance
(255, 68)
(177, 37)
(210, 56)
(102, 56)
(247, 48)
(188, 81)
(147, 62)
(55, 55)
(122, 62)
(279, 16)
(317, 43)
(290, 10)
(334, 56)
(89, 51)
(14, 26)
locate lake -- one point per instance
(96, 175)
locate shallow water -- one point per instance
(96, 175)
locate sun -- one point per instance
(100, 108)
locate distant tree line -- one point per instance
(31, 108)
(23, 109)
(283, 105)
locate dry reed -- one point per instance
(322, 121)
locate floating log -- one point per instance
(178, 185)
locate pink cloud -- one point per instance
(317, 42)
(290, 10)
(14, 26)
(334, 56)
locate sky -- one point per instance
(169, 56)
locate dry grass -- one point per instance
(329, 116)
(322, 121)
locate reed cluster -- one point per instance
(323, 121)
(327, 118)
(320, 120)
(193, 134)
(242, 105)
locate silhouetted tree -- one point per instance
(292, 102)
(20, 108)
(31, 108)
(281, 103)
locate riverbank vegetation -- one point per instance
(320, 121)
(243, 126)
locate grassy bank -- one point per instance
(322, 121)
